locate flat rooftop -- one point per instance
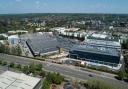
(42, 43)
(12, 80)
(45, 42)
(96, 49)
(103, 37)
(111, 44)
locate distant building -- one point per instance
(99, 50)
(70, 32)
(38, 29)
(73, 29)
(62, 30)
(3, 38)
(111, 27)
(13, 39)
(17, 32)
(102, 37)
(4, 35)
(59, 29)
(21, 31)
(11, 32)
(12, 80)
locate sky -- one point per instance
(63, 6)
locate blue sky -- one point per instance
(63, 6)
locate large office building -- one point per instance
(98, 49)
(12, 80)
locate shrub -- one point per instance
(38, 67)
(42, 73)
(25, 69)
(46, 84)
(0, 62)
(4, 63)
(99, 84)
(18, 66)
(12, 65)
(55, 78)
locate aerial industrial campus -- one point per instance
(106, 49)
(46, 45)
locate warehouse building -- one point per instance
(42, 43)
(45, 43)
(12, 80)
(98, 51)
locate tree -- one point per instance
(16, 50)
(19, 66)
(75, 84)
(55, 78)
(12, 64)
(7, 49)
(25, 69)
(19, 52)
(125, 44)
(2, 38)
(32, 68)
(121, 75)
(4, 63)
(2, 48)
(42, 73)
(126, 75)
(38, 67)
(13, 50)
(46, 84)
(0, 62)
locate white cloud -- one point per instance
(37, 2)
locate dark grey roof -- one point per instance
(65, 42)
(43, 43)
(96, 49)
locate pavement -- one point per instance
(66, 70)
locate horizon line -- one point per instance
(63, 13)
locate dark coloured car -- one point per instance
(90, 75)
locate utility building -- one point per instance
(12, 80)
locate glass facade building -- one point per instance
(94, 57)
(107, 54)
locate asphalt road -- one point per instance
(65, 70)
